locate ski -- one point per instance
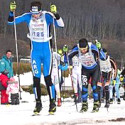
(51, 113)
(36, 114)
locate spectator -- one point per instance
(13, 91)
(6, 64)
(3, 80)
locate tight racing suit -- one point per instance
(40, 46)
(90, 69)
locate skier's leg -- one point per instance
(75, 89)
(36, 68)
(57, 87)
(111, 93)
(95, 76)
(47, 62)
(107, 96)
(84, 93)
(117, 93)
(99, 92)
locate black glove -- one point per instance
(57, 16)
(5, 72)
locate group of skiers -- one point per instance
(90, 64)
(87, 62)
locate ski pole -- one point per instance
(15, 33)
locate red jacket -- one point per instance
(4, 79)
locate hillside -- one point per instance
(9, 43)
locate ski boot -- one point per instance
(84, 107)
(59, 102)
(107, 104)
(124, 96)
(52, 107)
(118, 101)
(96, 106)
(38, 107)
(111, 101)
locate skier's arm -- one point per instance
(56, 19)
(19, 19)
(95, 52)
(102, 55)
(71, 55)
(113, 64)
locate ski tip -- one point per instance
(36, 114)
(51, 113)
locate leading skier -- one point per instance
(39, 23)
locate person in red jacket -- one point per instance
(3, 80)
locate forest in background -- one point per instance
(92, 19)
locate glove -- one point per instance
(70, 67)
(53, 9)
(98, 45)
(5, 72)
(12, 6)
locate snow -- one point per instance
(65, 115)
(27, 79)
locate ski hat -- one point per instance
(35, 7)
(83, 43)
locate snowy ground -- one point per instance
(66, 114)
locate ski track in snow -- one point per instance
(65, 115)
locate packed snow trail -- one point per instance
(66, 114)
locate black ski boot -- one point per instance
(52, 107)
(107, 104)
(38, 107)
(96, 106)
(84, 107)
(124, 96)
(111, 101)
(118, 101)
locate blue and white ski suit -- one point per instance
(89, 68)
(40, 43)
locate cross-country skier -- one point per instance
(38, 22)
(88, 57)
(55, 76)
(103, 84)
(75, 70)
(116, 84)
(61, 80)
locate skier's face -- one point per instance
(36, 16)
(83, 50)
